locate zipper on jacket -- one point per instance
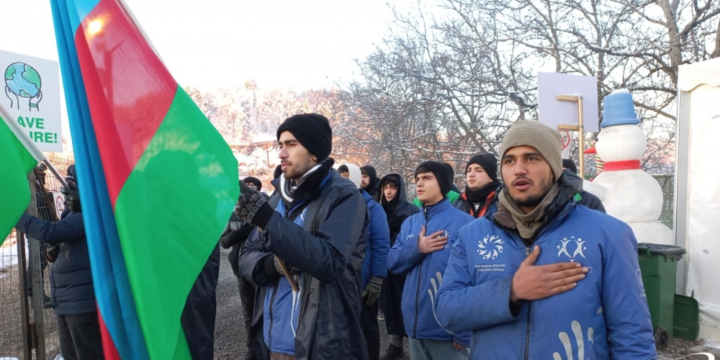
(272, 302)
(417, 297)
(527, 326)
(417, 291)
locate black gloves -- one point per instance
(252, 207)
(372, 290)
(72, 199)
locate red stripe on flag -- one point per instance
(109, 349)
(129, 89)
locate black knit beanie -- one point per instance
(570, 165)
(253, 180)
(312, 131)
(487, 162)
(343, 168)
(450, 173)
(441, 173)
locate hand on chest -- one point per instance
(500, 254)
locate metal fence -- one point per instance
(667, 184)
(11, 333)
(28, 329)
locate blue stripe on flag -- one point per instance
(81, 10)
(112, 287)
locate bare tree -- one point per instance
(464, 70)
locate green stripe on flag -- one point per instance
(16, 164)
(170, 214)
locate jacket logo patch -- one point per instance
(490, 247)
(579, 245)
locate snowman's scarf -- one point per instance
(511, 216)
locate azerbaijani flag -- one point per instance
(157, 181)
(20, 156)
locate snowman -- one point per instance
(631, 194)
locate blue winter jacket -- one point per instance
(605, 317)
(71, 282)
(425, 271)
(378, 241)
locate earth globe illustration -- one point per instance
(23, 81)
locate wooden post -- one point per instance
(580, 128)
(288, 276)
(24, 306)
(285, 270)
(38, 326)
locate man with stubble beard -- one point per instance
(307, 254)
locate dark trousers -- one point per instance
(391, 298)
(259, 350)
(198, 316)
(370, 328)
(247, 300)
(80, 337)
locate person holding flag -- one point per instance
(20, 156)
(307, 254)
(72, 292)
(157, 180)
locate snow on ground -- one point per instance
(8, 257)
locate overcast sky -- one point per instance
(298, 44)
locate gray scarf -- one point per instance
(526, 224)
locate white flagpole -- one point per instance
(22, 136)
(30, 146)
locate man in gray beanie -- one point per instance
(518, 299)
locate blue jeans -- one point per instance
(436, 350)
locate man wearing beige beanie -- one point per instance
(545, 277)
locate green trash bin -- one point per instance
(658, 265)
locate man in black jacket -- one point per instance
(482, 185)
(585, 198)
(234, 236)
(394, 200)
(306, 261)
(72, 293)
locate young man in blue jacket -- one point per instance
(421, 253)
(545, 277)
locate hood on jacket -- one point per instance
(374, 184)
(355, 174)
(401, 197)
